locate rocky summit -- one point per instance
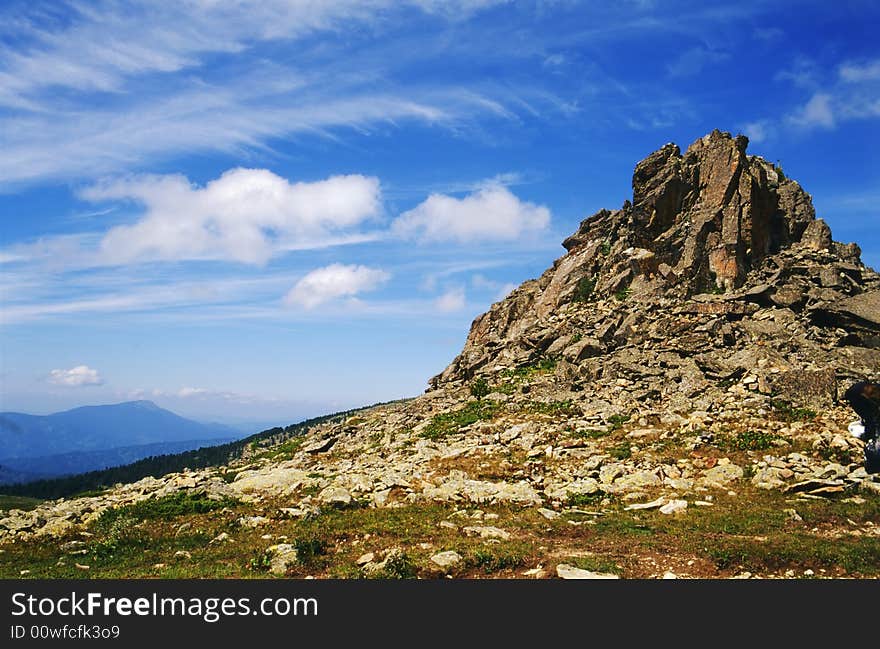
(717, 268)
(661, 402)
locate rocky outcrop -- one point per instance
(717, 251)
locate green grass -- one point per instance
(525, 371)
(585, 500)
(621, 452)
(592, 433)
(287, 448)
(797, 551)
(747, 532)
(164, 508)
(617, 421)
(18, 502)
(749, 440)
(785, 411)
(565, 408)
(448, 423)
(594, 564)
(490, 559)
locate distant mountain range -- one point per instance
(96, 437)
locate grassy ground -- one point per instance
(172, 538)
(18, 502)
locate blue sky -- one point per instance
(267, 209)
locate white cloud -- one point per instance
(480, 281)
(188, 393)
(692, 61)
(855, 73)
(451, 300)
(501, 291)
(75, 377)
(185, 392)
(489, 213)
(816, 112)
(246, 215)
(756, 131)
(505, 290)
(334, 281)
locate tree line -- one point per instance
(159, 465)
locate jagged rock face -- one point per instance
(710, 215)
(711, 240)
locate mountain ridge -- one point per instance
(87, 432)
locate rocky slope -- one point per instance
(687, 350)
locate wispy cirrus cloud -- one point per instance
(92, 89)
(847, 92)
(695, 60)
(99, 46)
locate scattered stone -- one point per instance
(253, 521)
(487, 532)
(282, 557)
(447, 560)
(335, 496)
(723, 474)
(566, 571)
(674, 507)
(651, 505)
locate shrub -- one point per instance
(307, 549)
(480, 388)
(261, 561)
(585, 288)
(397, 565)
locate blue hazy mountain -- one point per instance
(27, 469)
(89, 437)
